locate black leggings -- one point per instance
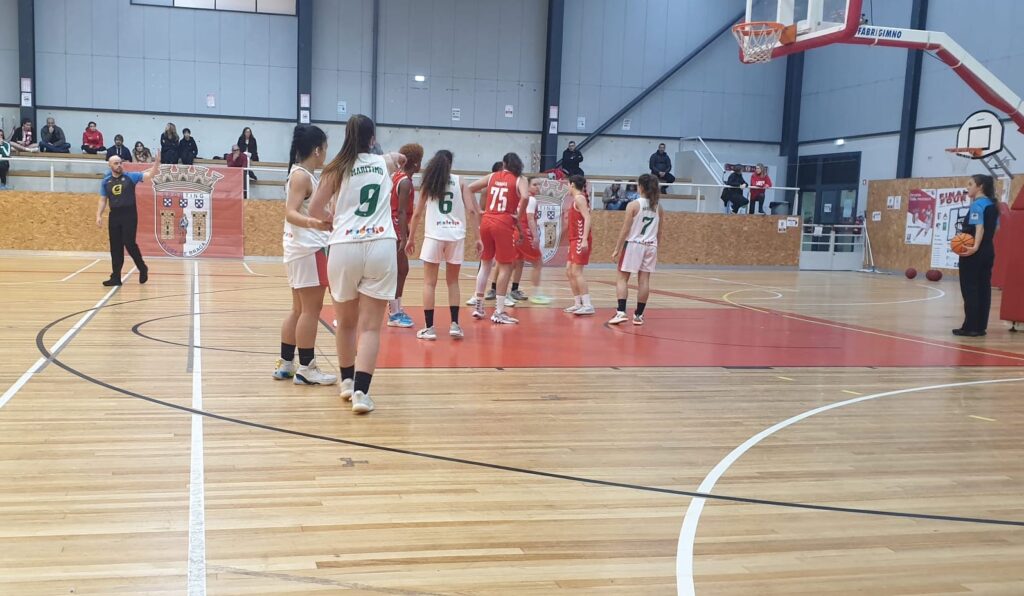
(759, 203)
(121, 228)
(5, 166)
(976, 289)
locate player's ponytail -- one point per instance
(987, 184)
(513, 164)
(305, 139)
(436, 175)
(359, 133)
(651, 190)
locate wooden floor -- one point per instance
(568, 478)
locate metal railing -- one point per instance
(48, 166)
(714, 165)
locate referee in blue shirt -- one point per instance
(118, 189)
(976, 264)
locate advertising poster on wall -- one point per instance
(920, 216)
(951, 207)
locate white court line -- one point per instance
(246, 265)
(57, 347)
(688, 531)
(959, 348)
(196, 490)
(81, 270)
(941, 294)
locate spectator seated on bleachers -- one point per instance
(92, 140)
(119, 149)
(614, 198)
(52, 139)
(24, 138)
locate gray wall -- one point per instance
(613, 49)
(856, 90)
(469, 62)
(110, 54)
(9, 79)
(990, 32)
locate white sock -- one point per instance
(578, 301)
(499, 304)
(395, 306)
(586, 300)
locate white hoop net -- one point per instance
(959, 162)
(757, 40)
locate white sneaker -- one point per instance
(471, 301)
(584, 310)
(509, 302)
(478, 311)
(285, 370)
(571, 309)
(638, 319)
(346, 389)
(426, 333)
(456, 331)
(361, 403)
(502, 318)
(312, 375)
(620, 317)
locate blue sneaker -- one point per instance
(399, 319)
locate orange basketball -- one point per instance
(961, 242)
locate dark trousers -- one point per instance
(976, 289)
(5, 166)
(757, 202)
(169, 156)
(188, 158)
(122, 228)
(93, 150)
(52, 148)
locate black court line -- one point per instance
(137, 330)
(40, 344)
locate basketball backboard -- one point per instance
(981, 130)
(808, 23)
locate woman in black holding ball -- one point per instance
(977, 260)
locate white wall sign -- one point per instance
(553, 127)
(456, 114)
(826, 208)
(876, 216)
(211, 100)
(342, 108)
(509, 110)
(553, 113)
(782, 226)
(303, 116)
(26, 100)
(26, 84)
(581, 122)
(627, 123)
(792, 222)
(303, 100)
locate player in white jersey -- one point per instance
(448, 207)
(362, 263)
(637, 248)
(304, 242)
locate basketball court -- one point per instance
(799, 427)
(769, 429)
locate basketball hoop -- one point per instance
(758, 39)
(960, 158)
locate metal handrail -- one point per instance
(97, 164)
(718, 162)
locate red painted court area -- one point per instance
(549, 338)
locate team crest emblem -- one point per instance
(550, 207)
(184, 213)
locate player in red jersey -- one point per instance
(528, 246)
(498, 228)
(401, 211)
(579, 247)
